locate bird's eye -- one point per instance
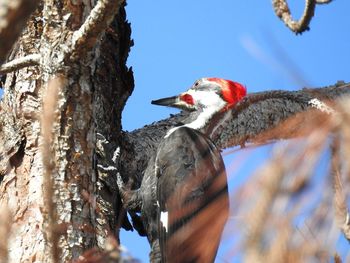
(187, 98)
(196, 83)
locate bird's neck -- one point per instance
(201, 119)
(198, 120)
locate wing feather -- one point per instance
(192, 196)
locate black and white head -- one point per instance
(214, 93)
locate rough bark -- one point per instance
(61, 205)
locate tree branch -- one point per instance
(282, 11)
(13, 17)
(259, 118)
(272, 115)
(98, 20)
(16, 64)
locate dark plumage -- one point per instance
(192, 197)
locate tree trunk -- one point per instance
(60, 205)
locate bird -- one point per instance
(203, 102)
(189, 187)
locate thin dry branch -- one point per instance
(322, 2)
(13, 17)
(98, 20)
(19, 63)
(283, 12)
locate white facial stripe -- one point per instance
(207, 98)
(210, 102)
(164, 220)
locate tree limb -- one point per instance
(19, 63)
(13, 17)
(251, 121)
(282, 11)
(98, 20)
(266, 116)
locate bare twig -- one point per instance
(16, 64)
(13, 17)
(322, 2)
(99, 19)
(282, 11)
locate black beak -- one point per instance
(170, 101)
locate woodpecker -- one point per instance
(189, 175)
(205, 98)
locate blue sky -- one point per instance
(177, 42)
